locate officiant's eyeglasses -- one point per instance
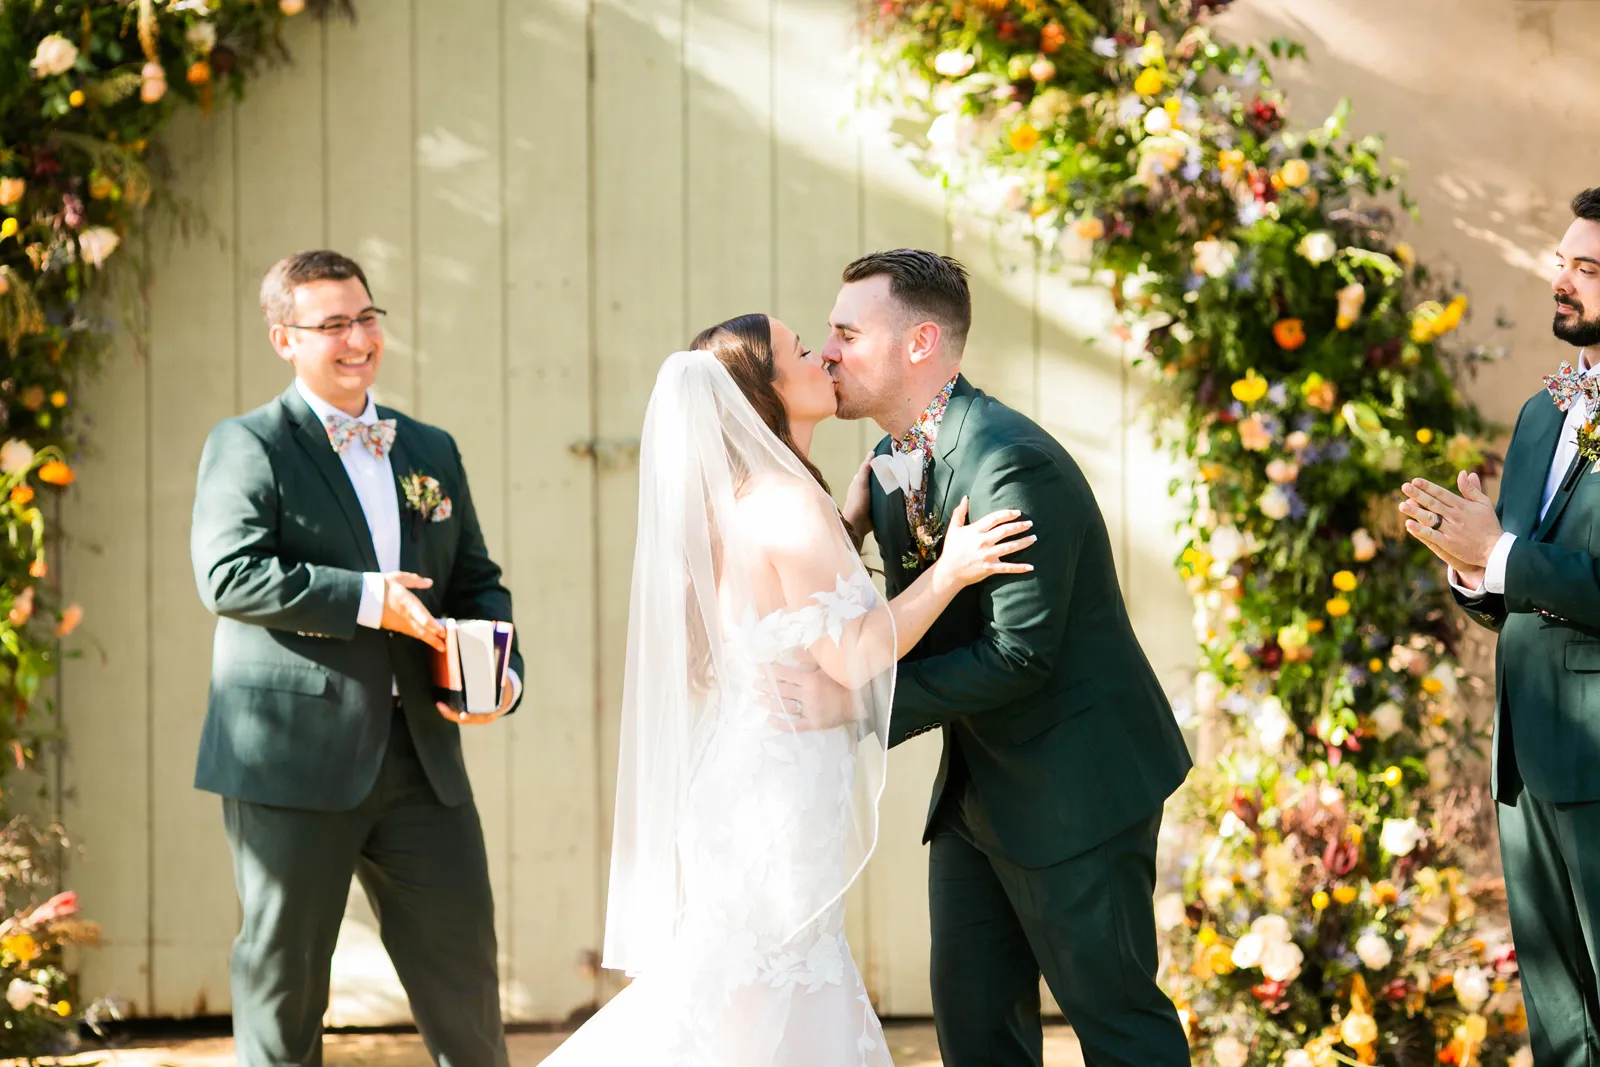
(368, 320)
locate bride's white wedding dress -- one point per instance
(737, 834)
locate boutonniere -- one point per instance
(926, 537)
(1589, 444)
(424, 498)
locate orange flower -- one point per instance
(70, 618)
(22, 495)
(1051, 38)
(1024, 138)
(56, 473)
(38, 568)
(1289, 333)
(22, 607)
(199, 73)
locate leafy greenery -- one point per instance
(1305, 365)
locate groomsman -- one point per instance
(1527, 567)
(328, 533)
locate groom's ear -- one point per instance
(923, 340)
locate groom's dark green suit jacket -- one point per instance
(300, 705)
(1037, 678)
(1547, 663)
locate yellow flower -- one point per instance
(1450, 317)
(1345, 894)
(1385, 892)
(1432, 686)
(1207, 937)
(1315, 626)
(1090, 229)
(8, 228)
(59, 398)
(1405, 254)
(1354, 833)
(1359, 1028)
(1421, 330)
(21, 945)
(1338, 607)
(1344, 581)
(1296, 173)
(1374, 664)
(1250, 388)
(1392, 776)
(75, 98)
(1230, 159)
(1424, 436)
(1024, 138)
(1220, 958)
(1149, 82)
(63, 1008)
(1319, 900)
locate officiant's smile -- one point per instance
(333, 335)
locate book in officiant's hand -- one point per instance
(470, 674)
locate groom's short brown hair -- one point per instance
(929, 286)
(277, 288)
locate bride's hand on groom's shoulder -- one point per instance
(858, 503)
(973, 553)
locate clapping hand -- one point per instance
(1461, 529)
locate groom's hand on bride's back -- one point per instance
(808, 700)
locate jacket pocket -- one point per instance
(1583, 656)
(281, 677)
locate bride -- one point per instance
(742, 818)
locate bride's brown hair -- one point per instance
(744, 346)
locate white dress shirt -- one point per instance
(1494, 571)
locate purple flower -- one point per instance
(1278, 393)
(1357, 676)
(1236, 409)
(1397, 694)
(1250, 212)
(1297, 506)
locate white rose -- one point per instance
(1215, 258)
(1229, 1051)
(97, 243)
(1318, 246)
(1207, 691)
(1281, 962)
(1273, 503)
(1387, 719)
(1445, 675)
(1330, 795)
(1157, 123)
(1216, 890)
(202, 36)
(1272, 725)
(1274, 929)
(1472, 987)
(1226, 545)
(1042, 70)
(15, 456)
(22, 995)
(1400, 836)
(1170, 912)
(1374, 950)
(1232, 826)
(954, 63)
(1247, 951)
(1298, 1058)
(56, 55)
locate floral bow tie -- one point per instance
(1568, 383)
(378, 437)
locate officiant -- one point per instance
(329, 537)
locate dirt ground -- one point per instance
(912, 1045)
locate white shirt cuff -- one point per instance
(516, 685)
(370, 613)
(1455, 583)
(1494, 572)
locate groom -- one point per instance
(1059, 745)
(327, 533)
(1527, 568)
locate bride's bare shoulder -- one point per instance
(782, 509)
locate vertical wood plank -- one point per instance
(1001, 353)
(728, 123)
(279, 203)
(554, 905)
(639, 301)
(901, 209)
(367, 182)
(106, 694)
(194, 914)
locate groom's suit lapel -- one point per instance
(942, 469)
(313, 437)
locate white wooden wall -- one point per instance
(549, 196)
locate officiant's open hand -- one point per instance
(405, 614)
(1460, 529)
(508, 697)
